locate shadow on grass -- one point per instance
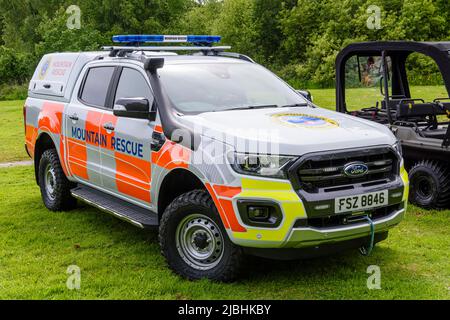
(343, 264)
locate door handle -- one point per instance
(74, 117)
(109, 126)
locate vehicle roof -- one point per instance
(180, 59)
(57, 73)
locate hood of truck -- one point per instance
(289, 131)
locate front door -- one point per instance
(126, 166)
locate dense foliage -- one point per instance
(298, 39)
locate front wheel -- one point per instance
(194, 242)
(430, 184)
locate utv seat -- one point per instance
(417, 110)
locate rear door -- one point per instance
(126, 166)
(82, 130)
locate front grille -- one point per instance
(325, 172)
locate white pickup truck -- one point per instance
(213, 149)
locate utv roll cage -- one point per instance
(398, 107)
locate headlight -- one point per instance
(398, 147)
(261, 165)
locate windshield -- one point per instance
(197, 88)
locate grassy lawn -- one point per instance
(367, 97)
(12, 133)
(118, 261)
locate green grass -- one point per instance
(367, 97)
(119, 261)
(12, 133)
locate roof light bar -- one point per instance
(166, 39)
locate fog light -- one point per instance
(258, 213)
(322, 207)
(397, 195)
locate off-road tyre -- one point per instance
(190, 204)
(430, 184)
(60, 198)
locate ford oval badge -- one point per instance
(354, 170)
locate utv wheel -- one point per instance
(194, 242)
(430, 184)
(55, 188)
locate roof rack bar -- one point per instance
(168, 48)
(121, 51)
(235, 55)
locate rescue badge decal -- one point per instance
(305, 120)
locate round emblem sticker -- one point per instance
(45, 69)
(305, 120)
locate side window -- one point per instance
(96, 86)
(132, 84)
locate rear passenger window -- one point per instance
(132, 84)
(96, 86)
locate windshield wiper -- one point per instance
(252, 107)
(296, 105)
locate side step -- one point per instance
(121, 209)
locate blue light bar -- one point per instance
(166, 39)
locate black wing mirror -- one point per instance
(136, 108)
(306, 94)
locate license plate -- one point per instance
(362, 202)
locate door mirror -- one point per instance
(306, 94)
(136, 108)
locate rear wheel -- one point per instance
(430, 184)
(55, 188)
(194, 242)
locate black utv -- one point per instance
(385, 70)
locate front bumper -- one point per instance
(299, 228)
(309, 237)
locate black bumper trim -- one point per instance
(313, 252)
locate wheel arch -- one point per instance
(171, 188)
(44, 142)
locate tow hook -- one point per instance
(366, 251)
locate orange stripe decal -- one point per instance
(223, 216)
(133, 176)
(93, 125)
(225, 207)
(78, 158)
(63, 157)
(30, 138)
(113, 120)
(172, 156)
(158, 129)
(227, 192)
(50, 118)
